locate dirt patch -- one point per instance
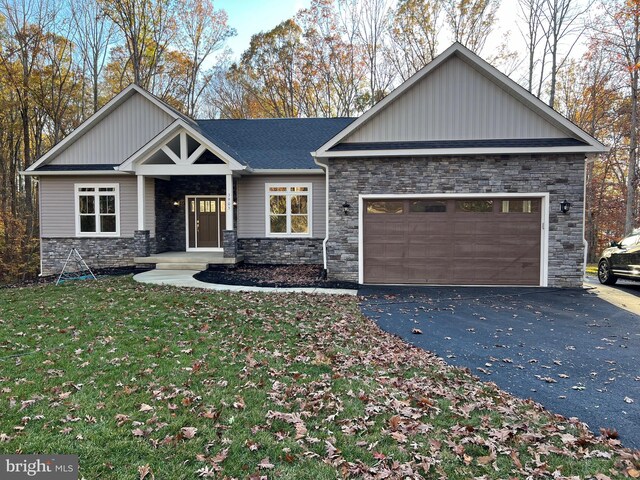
(281, 276)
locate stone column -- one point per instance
(230, 243)
(141, 243)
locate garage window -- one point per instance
(385, 206)
(288, 209)
(474, 206)
(519, 206)
(428, 206)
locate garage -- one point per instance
(452, 241)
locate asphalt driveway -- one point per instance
(568, 349)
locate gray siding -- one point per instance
(251, 203)
(118, 135)
(57, 204)
(455, 102)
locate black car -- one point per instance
(621, 260)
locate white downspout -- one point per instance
(325, 167)
(589, 159)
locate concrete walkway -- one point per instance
(184, 278)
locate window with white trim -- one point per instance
(97, 210)
(288, 209)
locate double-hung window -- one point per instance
(97, 210)
(288, 209)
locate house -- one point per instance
(457, 177)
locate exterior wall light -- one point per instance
(565, 206)
(176, 203)
(346, 207)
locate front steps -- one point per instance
(187, 260)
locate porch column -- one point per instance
(229, 214)
(141, 195)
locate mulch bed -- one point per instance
(281, 276)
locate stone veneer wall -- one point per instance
(97, 252)
(170, 219)
(287, 251)
(562, 176)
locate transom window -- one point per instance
(288, 209)
(97, 210)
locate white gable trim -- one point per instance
(136, 161)
(111, 105)
(476, 62)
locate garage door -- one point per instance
(466, 241)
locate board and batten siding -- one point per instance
(251, 208)
(57, 204)
(455, 102)
(118, 135)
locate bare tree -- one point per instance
(471, 21)
(618, 33)
(94, 32)
(414, 35)
(530, 12)
(148, 27)
(560, 20)
(202, 31)
(372, 20)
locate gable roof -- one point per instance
(101, 114)
(418, 119)
(273, 143)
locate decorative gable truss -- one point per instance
(181, 149)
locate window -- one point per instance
(428, 206)
(474, 206)
(288, 209)
(97, 210)
(519, 206)
(385, 206)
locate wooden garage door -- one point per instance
(452, 241)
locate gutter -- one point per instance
(325, 167)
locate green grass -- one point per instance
(306, 382)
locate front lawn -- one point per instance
(180, 384)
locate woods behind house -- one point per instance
(60, 61)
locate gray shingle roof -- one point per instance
(273, 143)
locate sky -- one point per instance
(249, 17)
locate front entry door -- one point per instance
(206, 217)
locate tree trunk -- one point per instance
(629, 218)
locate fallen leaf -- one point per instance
(145, 470)
(145, 408)
(188, 432)
(416, 331)
(264, 463)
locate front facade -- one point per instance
(455, 178)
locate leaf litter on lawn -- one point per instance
(262, 386)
